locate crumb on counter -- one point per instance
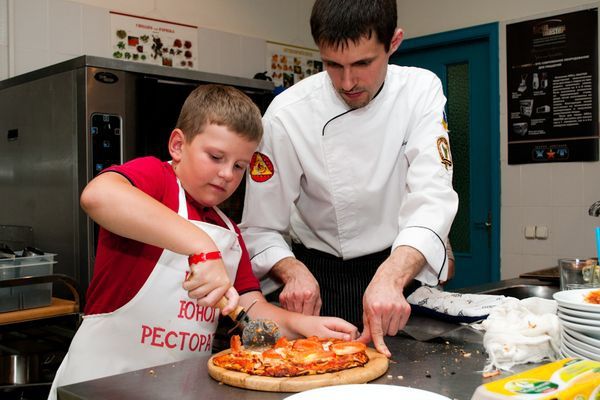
(489, 374)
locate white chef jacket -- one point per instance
(354, 182)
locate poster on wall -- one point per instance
(153, 41)
(287, 64)
(552, 78)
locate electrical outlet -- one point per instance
(541, 232)
(530, 232)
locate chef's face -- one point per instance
(357, 70)
(212, 165)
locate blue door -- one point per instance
(466, 61)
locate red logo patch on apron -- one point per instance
(261, 168)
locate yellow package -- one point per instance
(567, 379)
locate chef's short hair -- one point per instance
(335, 22)
(220, 105)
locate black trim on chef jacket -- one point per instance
(350, 110)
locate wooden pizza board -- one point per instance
(377, 366)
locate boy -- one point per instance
(153, 215)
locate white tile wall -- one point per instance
(50, 31)
(229, 59)
(3, 62)
(65, 28)
(96, 31)
(208, 51)
(536, 185)
(3, 22)
(567, 184)
(253, 56)
(554, 195)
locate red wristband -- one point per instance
(202, 257)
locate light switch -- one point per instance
(530, 232)
(541, 232)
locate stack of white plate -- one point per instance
(580, 324)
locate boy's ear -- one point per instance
(176, 142)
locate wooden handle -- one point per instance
(223, 302)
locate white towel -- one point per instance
(521, 331)
(454, 304)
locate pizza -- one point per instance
(289, 358)
(593, 297)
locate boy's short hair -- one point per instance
(220, 105)
(335, 22)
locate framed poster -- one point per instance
(552, 78)
(153, 41)
(287, 64)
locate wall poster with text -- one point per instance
(153, 41)
(287, 64)
(552, 72)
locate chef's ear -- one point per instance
(396, 40)
(176, 142)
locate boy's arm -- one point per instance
(293, 325)
(119, 207)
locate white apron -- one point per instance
(159, 325)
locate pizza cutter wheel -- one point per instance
(256, 333)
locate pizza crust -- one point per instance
(374, 368)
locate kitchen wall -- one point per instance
(232, 36)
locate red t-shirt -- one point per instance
(123, 265)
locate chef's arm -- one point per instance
(268, 200)
(301, 292)
(430, 204)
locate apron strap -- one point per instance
(225, 218)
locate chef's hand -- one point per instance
(329, 327)
(208, 282)
(385, 310)
(301, 292)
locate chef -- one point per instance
(349, 198)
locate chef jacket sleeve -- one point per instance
(268, 199)
(430, 204)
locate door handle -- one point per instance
(486, 224)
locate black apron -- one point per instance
(343, 282)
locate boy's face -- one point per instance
(212, 165)
(358, 70)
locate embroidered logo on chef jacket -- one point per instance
(444, 152)
(444, 121)
(261, 168)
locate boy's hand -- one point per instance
(208, 282)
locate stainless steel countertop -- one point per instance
(451, 366)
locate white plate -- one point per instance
(366, 391)
(579, 314)
(594, 331)
(583, 337)
(577, 345)
(575, 299)
(581, 321)
(567, 353)
(581, 352)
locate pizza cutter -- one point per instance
(256, 333)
